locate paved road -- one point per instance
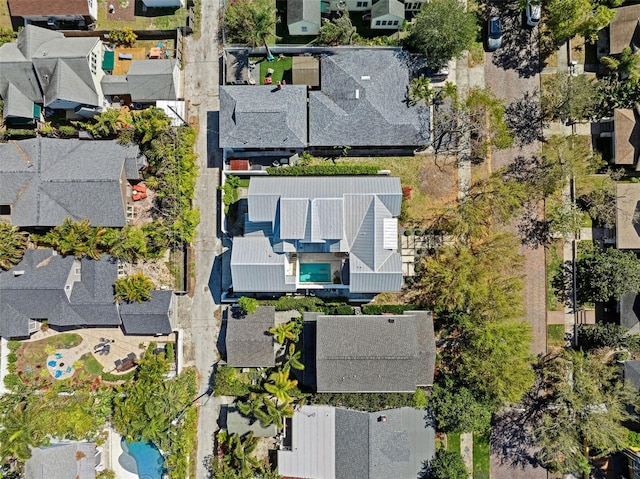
(201, 89)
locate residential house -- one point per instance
(46, 69)
(304, 17)
(72, 293)
(333, 233)
(45, 180)
(623, 29)
(146, 81)
(248, 342)
(323, 442)
(237, 423)
(368, 354)
(68, 460)
(387, 14)
(621, 135)
(263, 117)
(55, 13)
(361, 102)
(410, 6)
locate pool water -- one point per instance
(315, 272)
(149, 461)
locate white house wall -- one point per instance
(93, 9)
(386, 22)
(297, 28)
(352, 5)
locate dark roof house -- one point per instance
(368, 354)
(248, 342)
(623, 29)
(44, 68)
(70, 293)
(631, 373)
(74, 460)
(333, 443)
(319, 233)
(46, 180)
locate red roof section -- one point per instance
(239, 165)
(20, 8)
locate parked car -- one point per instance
(532, 14)
(494, 34)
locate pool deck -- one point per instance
(113, 449)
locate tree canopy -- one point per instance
(568, 18)
(250, 21)
(569, 98)
(446, 465)
(607, 274)
(442, 30)
(338, 31)
(13, 243)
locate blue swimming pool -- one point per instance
(148, 460)
(315, 272)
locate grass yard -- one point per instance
(34, 352)
(91, 365)
(481, 460)
(281, 69)
(162, 19)
(433, 186)
(453, 441)
(555, 335)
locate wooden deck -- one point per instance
(121, 66)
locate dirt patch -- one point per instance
(124, 10)
(438, 179)
(264, 445)
(157, 270)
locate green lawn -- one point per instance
(281, 70)
(453, 441)
(481, 451)
(555, 335)
(155, 19)
(91, 364)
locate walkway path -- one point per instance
(466, 450)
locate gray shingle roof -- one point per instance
(151, 80)
(239, 424)
(263, 116)
(248, 343)
(369, 353)
(363, 102)
(325, 215)
(630, 312)
(115, 85)
(16, 103)
(303, 10)
(50, 179)
(632, 373)
(343, 444)
(76, 460)
(149, 317)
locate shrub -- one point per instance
(118, 377)
(305, 303)
(17, 133)
(388, 308)
(248, 305)
(633, 439)
(227, 383)
(344, 310)
(323, 170)
(417, 232)
(49, 349)
(12, 357)
(13, 345)
(11, 367)
(67, 131)
(170, 352)
(12, 380)
(408, 232)
(123, 37)
(364, 401)
(420, 400)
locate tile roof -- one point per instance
(369, 353)
(263, 116)
(248, 343)
(149, 317)
(363, 101)
(50, 179)
(74, 460)
(20, 8)
(335, 443)
(151, 80)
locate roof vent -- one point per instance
(382, 418)
(44, 53)
(18, 273)
(391, 320)
(365, 77)
(357, 94)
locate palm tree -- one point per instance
(150, 123)
(238, 451)
(265, 410)
(284, 331)
(263, 24)
(106, 124)
(78, 238)
(21, 429)
(279, 385)
(292, 358)
(13, 243)
(420, 90)
(135, 288)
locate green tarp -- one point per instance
(109, 61)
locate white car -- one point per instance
(532, 14)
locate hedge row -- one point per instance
(388, 308)
(17, 133)
(118, 377)
(323, 170)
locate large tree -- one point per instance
(446, 465)
(134, 288)
(338, 31)
(607, 274)
(13, 243)
(584, 408)
(567, 18)
(442, 30)
(569, 98)
(456, 409)
(251, 21)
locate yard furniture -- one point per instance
(268, 80)
(140, 187)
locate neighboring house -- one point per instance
(628, 216)
(304, 17)
(368, 354)
(263, 117)
(361, 102)
(55, 13)
(46, 180)
(411, 6)
(72, 460)
(163, 3)
(387, 14)
(72, 293)
(45, 69)
(623, 133)
(146, 81)
(239, 424)
(623, 29)
(331, 232)
(323, 442)
(248, 342)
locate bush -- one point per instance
(344, 310)
(11, 367)
(364, 401)
(420, 400)
(13, 345)
(303, 303)
(67, 131)
(118, 377)
(12, 357)
(12, 380)
(601, 335)
(170, 352)
(17, 133)
(408, 232)
(417, 233)
(248, 305)
(388, 308)
(323, 170)
(227, 383)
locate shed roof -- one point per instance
(387, 7)
(248, 342)
(240, 424)
(305, 70)
(632, 373)
(628, 215)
